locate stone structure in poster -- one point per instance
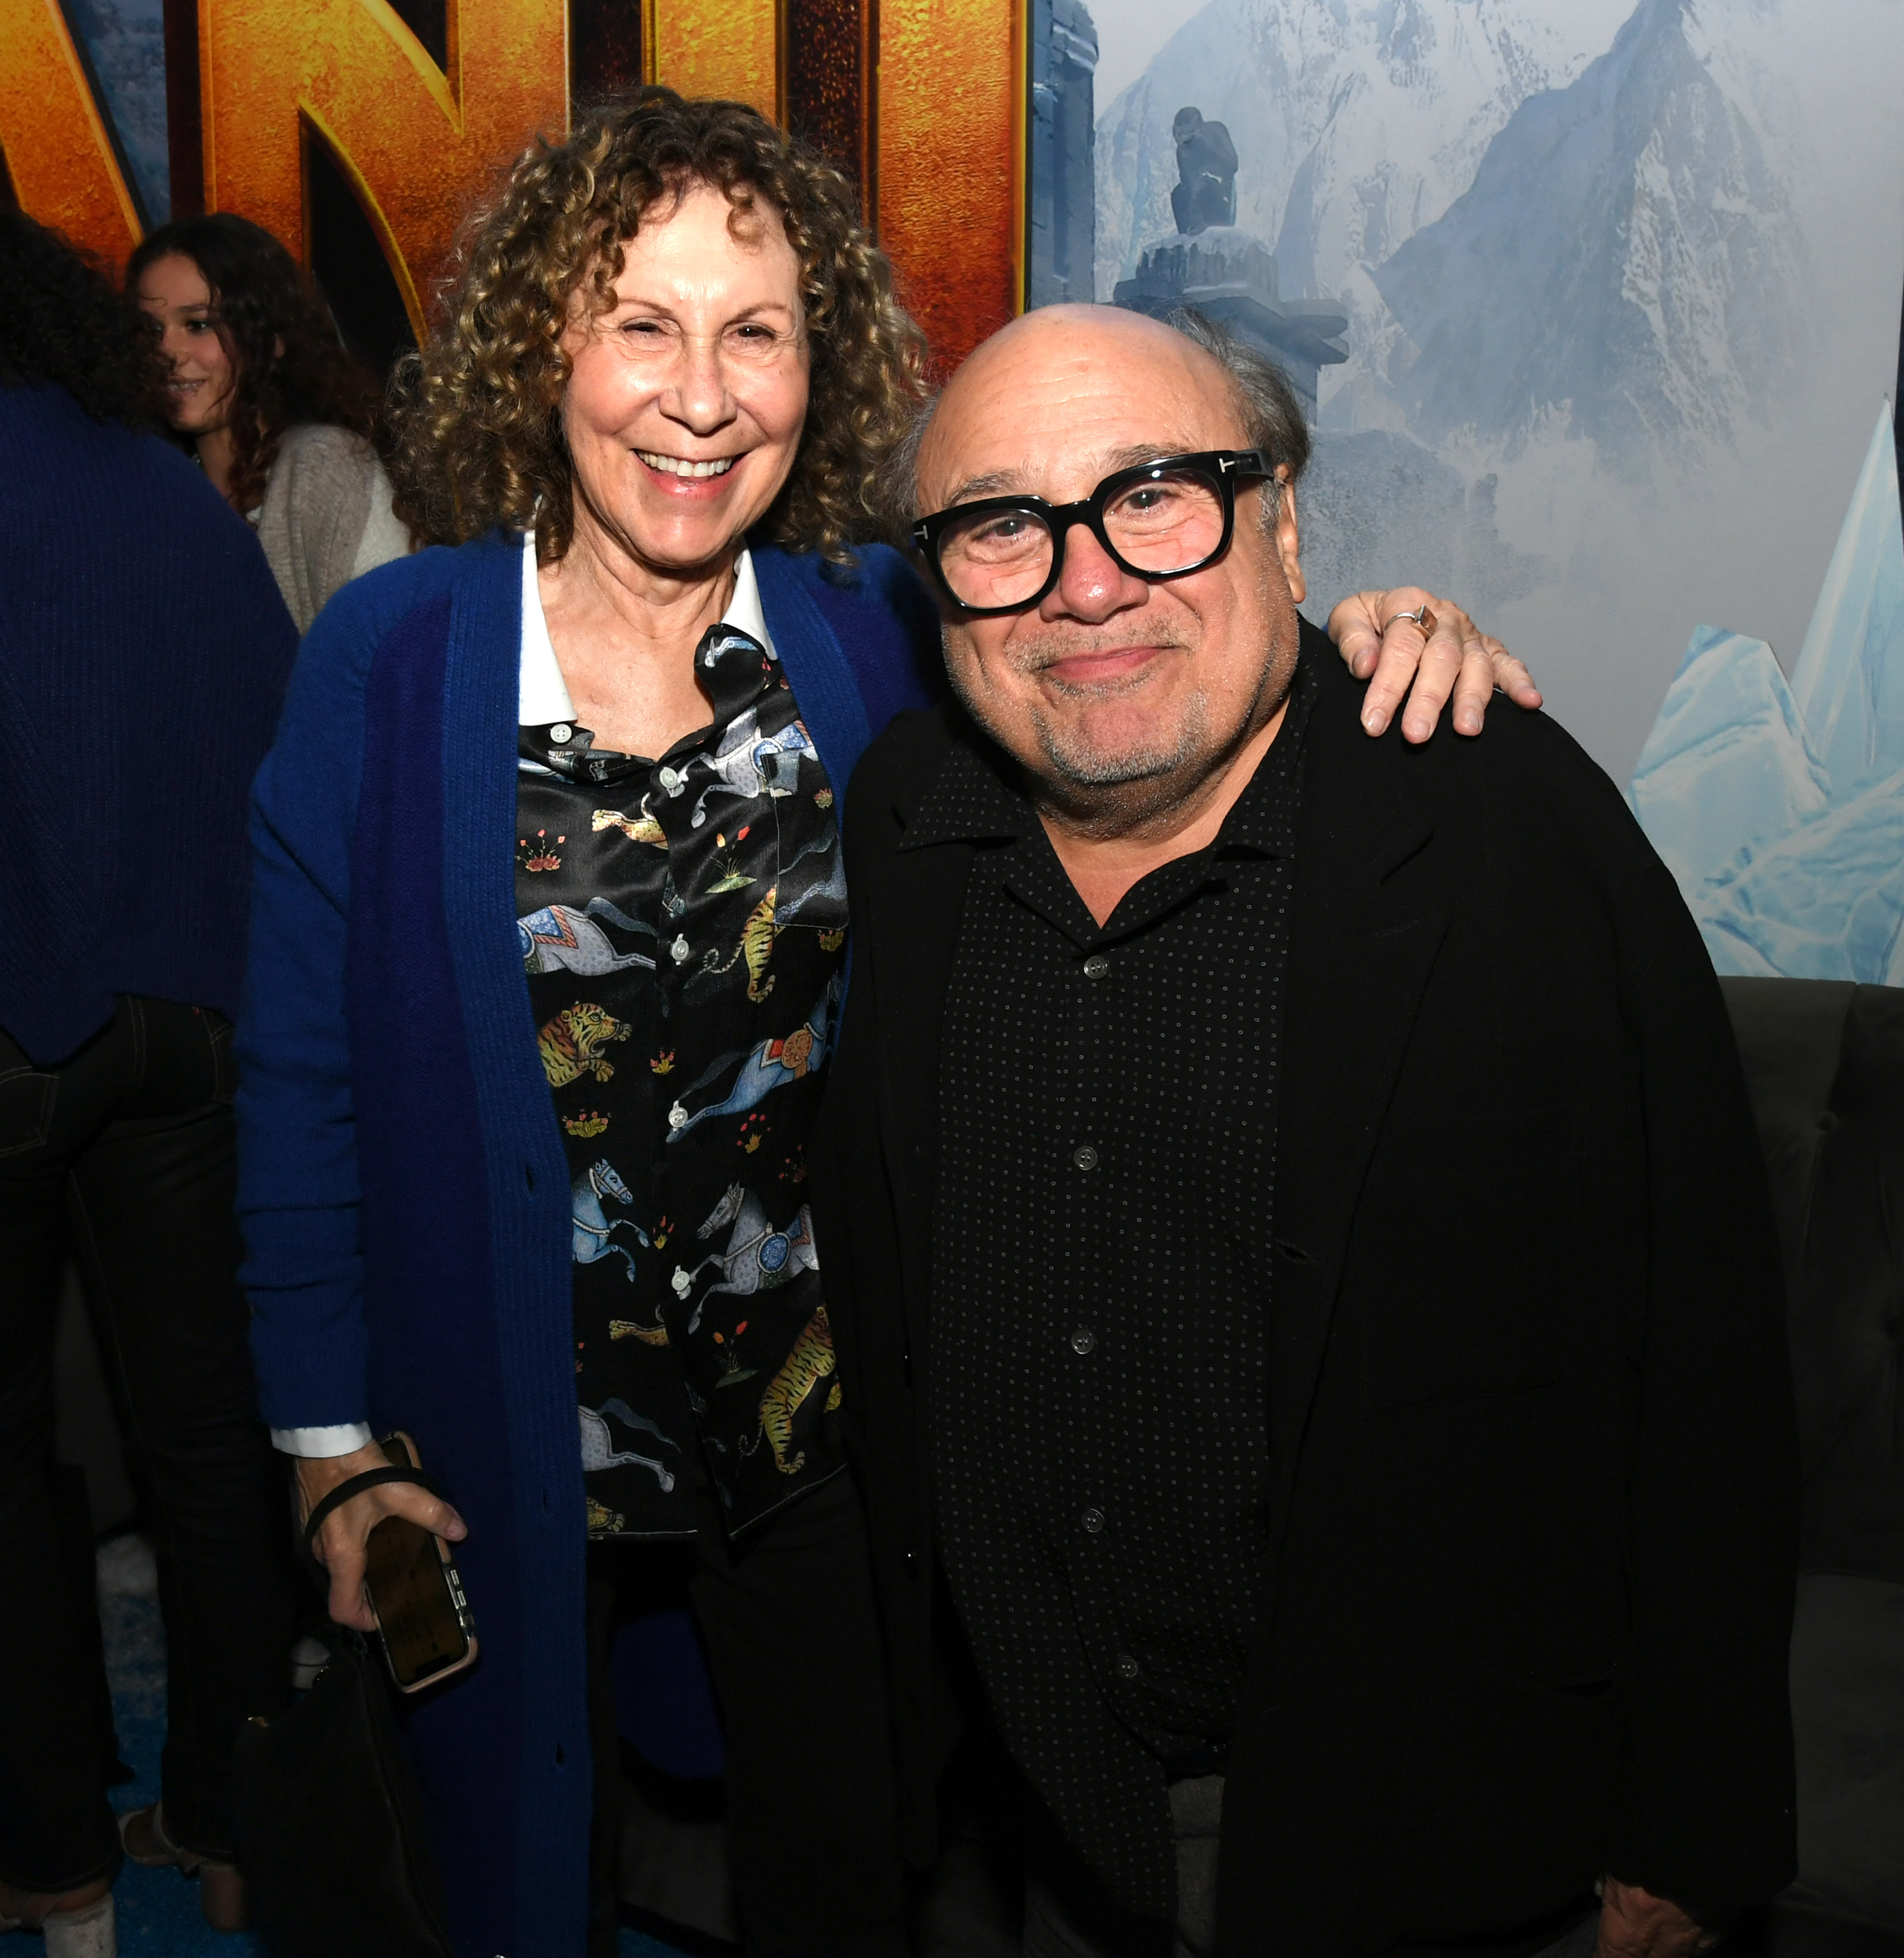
(1063, 217)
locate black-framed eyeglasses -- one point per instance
(1161, 519)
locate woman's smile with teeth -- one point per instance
(676, 465)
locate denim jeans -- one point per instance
(123, 1158)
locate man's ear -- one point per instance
(1288, 540)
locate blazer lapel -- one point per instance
(1369, 914)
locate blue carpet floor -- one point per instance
(158, 1909)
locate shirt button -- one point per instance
(679, 950)
(1083, 1341)
(1096, 966)
(561, 733)
(1094, 1521)
(1084, 1156)
(1127, 1667)
(670, 779)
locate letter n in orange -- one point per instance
(417, 139)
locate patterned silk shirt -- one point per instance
(683, 923)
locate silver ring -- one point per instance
(1421, 617)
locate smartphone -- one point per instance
(416, 1595)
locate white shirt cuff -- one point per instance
(345, 1439)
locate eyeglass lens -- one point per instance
(1157, 526)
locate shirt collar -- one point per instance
(977, 797)
(542, 697)
(542, 694)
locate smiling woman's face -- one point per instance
(686, 399)
(199, 387)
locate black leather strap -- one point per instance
(355, 1485)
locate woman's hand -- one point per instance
(340, 1543)
(1454, 658)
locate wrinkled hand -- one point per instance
(1455, 659)
(1636, 1924)
(340, 1542)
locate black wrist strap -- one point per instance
(355, 1485)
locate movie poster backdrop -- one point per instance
(1594, 303)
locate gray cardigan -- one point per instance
(326, 517)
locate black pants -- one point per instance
(123, 1157)
(793, 1649)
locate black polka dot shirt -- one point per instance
(1101, 1277)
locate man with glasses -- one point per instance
(1295, 1236)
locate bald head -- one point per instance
(1064, 353)
(1122, 696)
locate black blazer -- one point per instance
(1535, 1526)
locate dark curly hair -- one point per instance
(63, 323)
(480, 440)
(288, 364)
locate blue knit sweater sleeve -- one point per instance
(298, 1182)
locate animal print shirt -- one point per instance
(683, 924)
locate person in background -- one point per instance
(281, 416)
(144, 653)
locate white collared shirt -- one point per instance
(542, 695)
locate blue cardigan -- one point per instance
(143, 650)
(402, 1182)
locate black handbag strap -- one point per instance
(355, 1485)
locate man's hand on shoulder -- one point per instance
(1636, 1924)
(1377, 633)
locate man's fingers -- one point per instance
(1634, 1924)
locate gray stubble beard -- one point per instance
(1103, 797)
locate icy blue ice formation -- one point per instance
(1727, 763)
(1780, 809)
(1823, 902)
(1849, 678)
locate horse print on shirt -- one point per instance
(591, 1233)
(757, 1257)
(771, 1065)
(748, 764)
(558, 938)
(598, 1449)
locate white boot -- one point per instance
(90, 1932)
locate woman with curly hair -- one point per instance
(143, 654)
(549, 945)
(547, 953)
(281, 416)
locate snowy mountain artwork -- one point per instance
(1780, 809)
(1622, 280)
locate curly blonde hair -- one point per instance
(478, 410)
